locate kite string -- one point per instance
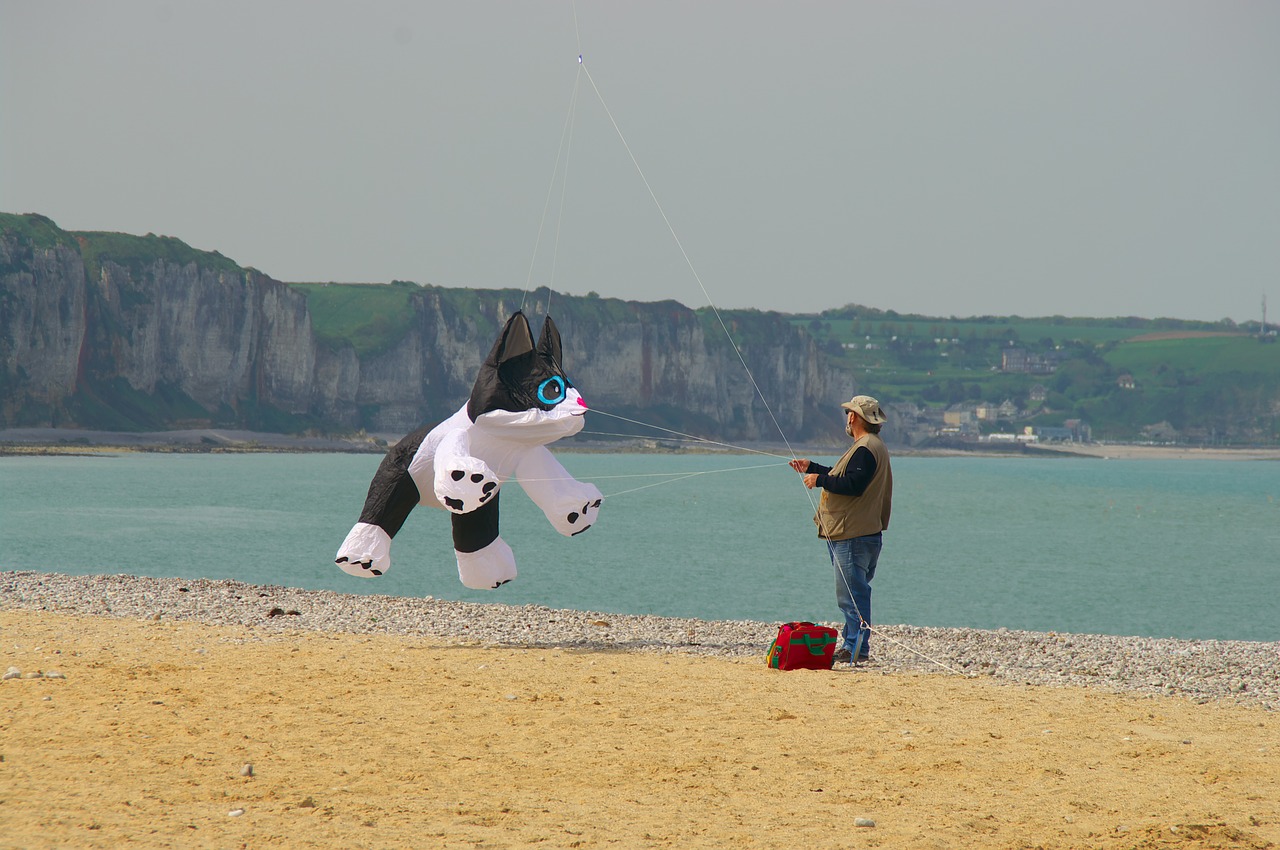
(656, 484)
(720, 319)
(710, 301)
(863, 622)
(680, 474)
(566, 148)
(692, 442)
(680, 245)
(688, 437)
(670, 477)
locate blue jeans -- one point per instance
(854, 561)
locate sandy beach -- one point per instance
(169, 731)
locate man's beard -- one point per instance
(848, 429)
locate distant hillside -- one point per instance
(1129, 378)
(123, 332)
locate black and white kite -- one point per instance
(521, 401)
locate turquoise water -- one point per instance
(1186, 548)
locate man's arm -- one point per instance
(858, 474)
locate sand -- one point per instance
(389, 741)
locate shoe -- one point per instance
(842, 656)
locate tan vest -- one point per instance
(842, 517)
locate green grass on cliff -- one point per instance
(35, 229)
(137, 253)
(133, 252)
(372, 317)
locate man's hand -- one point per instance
(800, 465)
(811, 480)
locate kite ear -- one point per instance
(549, 343)
(491, 392)
(516, 340)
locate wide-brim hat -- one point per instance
(866, 407)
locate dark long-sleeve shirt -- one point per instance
(858, 474)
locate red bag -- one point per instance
(803, 646)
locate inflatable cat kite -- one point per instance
(521, 402)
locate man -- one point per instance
(852, 513)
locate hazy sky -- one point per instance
(958, 158)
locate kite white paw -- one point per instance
(465, 484)
(490, 567)
(366, 552)
(580, 520)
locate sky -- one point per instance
(985, 157)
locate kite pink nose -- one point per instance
(582, 402)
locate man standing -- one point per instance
(857, 496)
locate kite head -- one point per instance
(522, 390)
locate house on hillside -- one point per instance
(985, 411)
(1021, 360)
(1126, 382)
(958, 414)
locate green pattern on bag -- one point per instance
(817, 643)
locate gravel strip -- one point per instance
(1241, 672)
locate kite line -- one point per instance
(566, 147)
(564, 153)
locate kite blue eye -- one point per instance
(551, 391)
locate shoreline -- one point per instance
(1239, 672)
(1128, 451)
(57, 441)
(70, 441)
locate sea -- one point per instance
(1153, 548)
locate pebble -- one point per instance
(868, 822)
(1238, 672)
(235, 813)
(247, 770)
(11, 673)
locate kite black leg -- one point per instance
(392, 493)
(366, 551)
(485, 561)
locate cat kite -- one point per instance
(521, 401)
